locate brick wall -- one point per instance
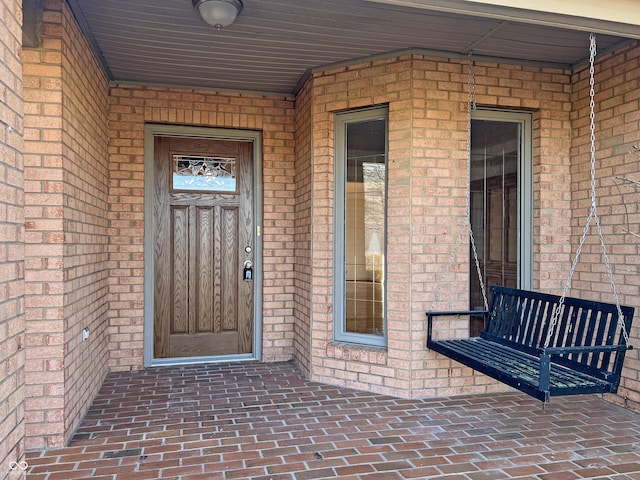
(84, 213)
(303, 230)
(43, 238)
(617, 114)
(427, 188)
(382, 82)
(85, 143)
(12, 319)
(427, 100)
(132, 107)
(66, 224)
(439, 189)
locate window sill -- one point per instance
(358, 353)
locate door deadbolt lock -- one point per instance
(247, 273)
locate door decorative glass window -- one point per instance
(209, 174)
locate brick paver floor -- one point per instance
(265, 421)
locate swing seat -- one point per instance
(583, 354)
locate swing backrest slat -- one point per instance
(521, 319)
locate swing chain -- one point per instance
(592, 56)
(593, 214)
(592, 115)
(471, 106)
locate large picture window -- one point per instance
(501, 213)
(360, 226)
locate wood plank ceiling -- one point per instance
(273, 43)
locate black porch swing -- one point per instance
(543, 345)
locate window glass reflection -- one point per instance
(365, 232)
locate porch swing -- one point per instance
(541, 344)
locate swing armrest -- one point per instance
(544, 380)
(586, 349)
(454, 313)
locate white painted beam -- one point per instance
(612, 17)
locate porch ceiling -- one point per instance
(275, 42)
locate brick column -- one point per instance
(66, 182)
(11, 244)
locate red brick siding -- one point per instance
(85, 217)
(132, 107)
(12, 319)
(427, 184)
(85, 144)
(427, 188)
(617, 115)
(439, 153)
(44, 238)
(66, 225)
(383, 82)
(303, 229)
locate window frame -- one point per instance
(340, 333)
(524, 186)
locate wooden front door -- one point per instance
(203, 239)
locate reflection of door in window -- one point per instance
(496, 217)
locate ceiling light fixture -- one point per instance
(219, 13)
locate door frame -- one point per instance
(151, 131)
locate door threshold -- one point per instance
(167, 362)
